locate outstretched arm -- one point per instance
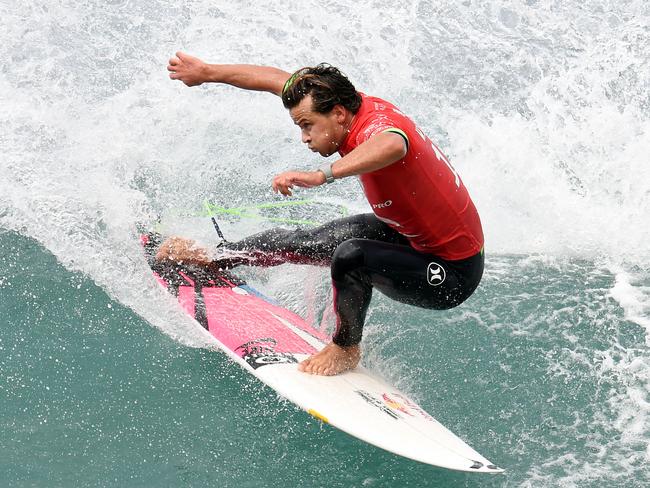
(192, 71)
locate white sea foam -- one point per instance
(633, 298)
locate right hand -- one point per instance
(284, 182)
(188, 69)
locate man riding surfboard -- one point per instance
(423, 243)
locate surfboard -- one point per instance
(268, 341)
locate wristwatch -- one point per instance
(326, 169)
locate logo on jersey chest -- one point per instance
(436, 274)
(385, 204)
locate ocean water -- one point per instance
(542, 106)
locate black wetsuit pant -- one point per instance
(365, 253)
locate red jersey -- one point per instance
(420, 196)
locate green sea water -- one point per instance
(541, 106)
(529, 372)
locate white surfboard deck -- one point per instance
(367, 407)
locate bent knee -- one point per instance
(348, 256)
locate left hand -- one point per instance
(182, 251)
(284, 182)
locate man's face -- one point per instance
(323, 133)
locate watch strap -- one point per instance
(326, 169)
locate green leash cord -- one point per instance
(212, 210)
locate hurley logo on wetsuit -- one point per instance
(436, 274)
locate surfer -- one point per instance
(423, 243)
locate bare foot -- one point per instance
(332, 360)
(181, 251)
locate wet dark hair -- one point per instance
(326, 85)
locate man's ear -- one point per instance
(340, 112)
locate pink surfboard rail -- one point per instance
(243, 320)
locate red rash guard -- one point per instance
(420, 196)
